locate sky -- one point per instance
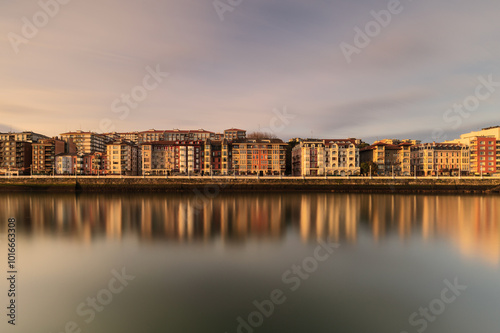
(296, 68)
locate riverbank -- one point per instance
(252, 184)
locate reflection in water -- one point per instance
(471, 222)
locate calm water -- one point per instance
(200, 267)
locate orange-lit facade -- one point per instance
(259, 157)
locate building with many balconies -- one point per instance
(123, 158)
(435, 159)
(44, 155)
(259, 157)
(312, 157)
(172, 157)
(86, 142)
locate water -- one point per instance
(199, 268)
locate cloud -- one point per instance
(265, 55)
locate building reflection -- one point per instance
(472, 223)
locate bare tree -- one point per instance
(261, 135)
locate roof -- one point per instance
(341, 141)
(235, 129)
(173, 143)
(259, 141)
(378, 144)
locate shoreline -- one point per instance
(209, 186)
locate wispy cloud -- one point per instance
(233, 73)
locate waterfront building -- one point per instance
(15, 156)
(259, 157)
(122, 158)
(388, 157)
(484, 150)
(435, 159)
(66, 164)
(44, 154)
(484, 156)
(217, 157)
(172, 157)
(311, 157)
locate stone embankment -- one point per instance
(252, 184)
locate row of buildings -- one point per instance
(201, 152)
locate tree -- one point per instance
(261, 135)
(363, 145)
(365, 168)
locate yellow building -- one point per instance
(123, 158)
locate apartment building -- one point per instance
(27, 136)
(259, 157)
(481, 155)
(128, 136)
(386, 156)
(15, 156)
(435, 159)
(172, 157)
(123, 158)
(98, 164)
(86, 142)
(484, 156)
(235, 134)
(312, 157)
(217, 157)
(66, 164)
(44, 155)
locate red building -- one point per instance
(483, 155)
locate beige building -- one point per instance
(325, 157)
(123, 158)
(435, 159)
(390, 159)
(172, 157)
(86, 142)
(22, 136)
(234, 134)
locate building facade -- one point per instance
(481, 159)
(484, 156)
(440, 159)
(66, 164)
(86, 142)
(22, 136)
(235, 134)
(386, 156)
(15, 156)
(259, 157)
(325, 157)
(172, 157)
(122, 158)
(44, 155)
(217, 157)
